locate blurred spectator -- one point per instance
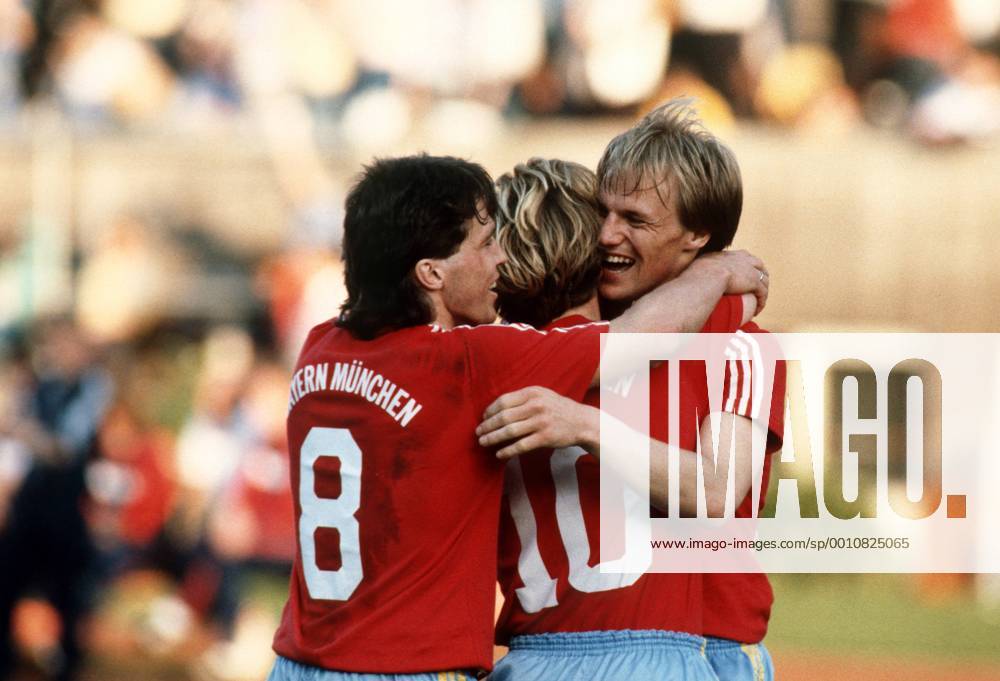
(303, 287)
(716, 41)
(857, 25)
(102, 74)
(365, 76)
(49, 18)
(712, 107)
(210, 446)
(258, 491)
(979, 22)
(918, 71)
(204, 57)
(252, 524)
(127, 282)
(131, 489)
(45, 543)
(15, 458)
(12, 264)
(16, 34)
(619, 51)
(803, 87)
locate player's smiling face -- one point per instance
(643, 242)
(471, 274)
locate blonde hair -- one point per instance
(548, 224)
(670, 149)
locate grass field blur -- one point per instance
(882, 615)
(873, 627)
(823, 627)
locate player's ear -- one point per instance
(429, 274)
(696, 241)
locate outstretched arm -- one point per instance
(536, 418)
(683, 304)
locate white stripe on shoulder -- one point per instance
(758, 385)
(734, 370)
(567, 329)
(491, 325)
(518, 327)
(746, 376)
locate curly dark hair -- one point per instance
(400, 211)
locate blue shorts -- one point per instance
(605, 656)
(733, 661)
(289, 670)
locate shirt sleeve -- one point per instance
(750, 354)
(726, 317)
(504, 358)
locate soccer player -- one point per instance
(396, 504)
(671, 193)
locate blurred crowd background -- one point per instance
(171, 180)
(363, 73)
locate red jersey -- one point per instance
(550, 546)
(737, 605)
(395, 502)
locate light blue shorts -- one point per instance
(627, 655)
(289, 670)
(733, 661)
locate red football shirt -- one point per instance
(395, 502)
(737, 605)
(549, 543)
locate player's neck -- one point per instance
(441, 315)
(590, 309)
(445, 319)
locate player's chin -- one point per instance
(488, 314)
(492, 307)
(614, 288)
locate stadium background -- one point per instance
(172, 174)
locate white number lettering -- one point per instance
(539, 590)
(317, 512)
(569, 514)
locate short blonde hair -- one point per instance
(548, 224)
(670, 150)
